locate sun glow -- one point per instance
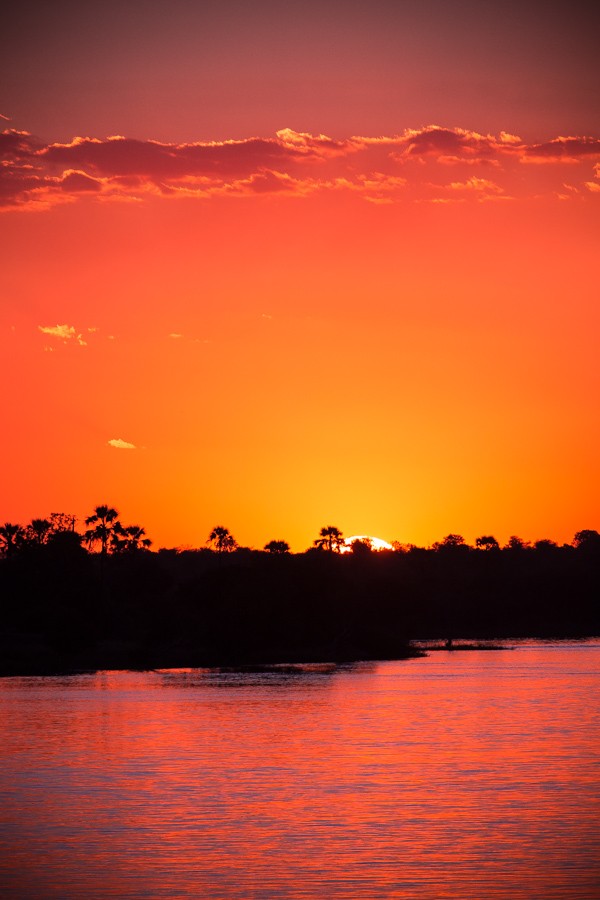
(375, 543)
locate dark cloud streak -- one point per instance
(34, 174)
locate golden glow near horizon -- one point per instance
(374, 543)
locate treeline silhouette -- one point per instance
(101, 598)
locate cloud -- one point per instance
(448, 142)
(120, 156)
(467, 161)
(379, 185)
(19, 184)
(65, 333)
(75, 181)
(314, 145)
(458, 143)
(121, 444)
(273, 182)
(61, 331)
(18, 144)
(562, 149)
(507, 138)
(34, 175)
(479, 185)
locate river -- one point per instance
(468, 775)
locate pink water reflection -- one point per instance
(463, 775)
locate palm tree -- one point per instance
(331, 539)
(129, 539)
(10, 537)
(222, 540)
(277, 547)
(39, 530)
(105, 524)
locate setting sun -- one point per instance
(373, 543)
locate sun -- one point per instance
(375, 542)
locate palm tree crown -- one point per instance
(331, 539)
(105, 524)
(222, 540)
(10, 537)
(130, 538)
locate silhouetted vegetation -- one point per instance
(222, 540)
(100, 598)
(277, 547)
(330, 538)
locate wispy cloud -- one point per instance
(65, 333)
(120, 444)
(480, 186)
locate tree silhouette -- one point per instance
(11, 536)
(105, 525)
(362, 547)
(39, 530)
(277, 547)
(588, 539)
(129, 538)
(330, 539)
(516, 543)
(487, 542)
(451, 542)
(545, 545)
(62, 522)
(222, 540)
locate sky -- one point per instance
(278, 266)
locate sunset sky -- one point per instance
(277, 266)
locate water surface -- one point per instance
(467, 775)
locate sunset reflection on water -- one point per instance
(462, 775)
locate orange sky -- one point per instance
(339, 284)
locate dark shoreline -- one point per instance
(53, 666)
(276, 663)
(64, 609)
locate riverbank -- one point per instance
(71, 610)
